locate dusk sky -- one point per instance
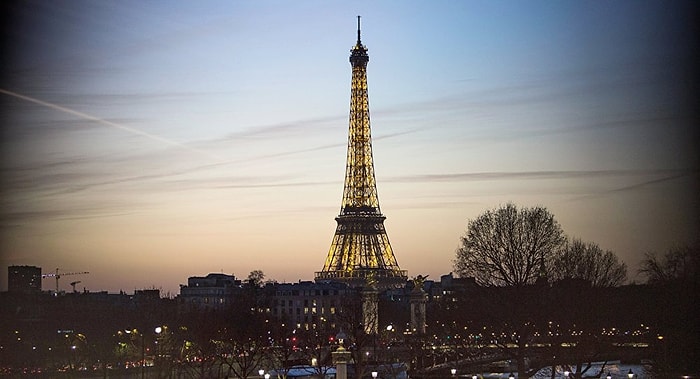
(146, 142)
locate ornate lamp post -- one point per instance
(453, 372)
(341, 357)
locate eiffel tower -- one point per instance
(360, 253)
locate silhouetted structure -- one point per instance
(24, 279)
(308, 305)
(212, 292)
(360, 251)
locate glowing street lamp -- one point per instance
(267, 376)
(374, 374)
(453, 371)
(261, 372)
(630, 374)
(511, 376)
(608, 376)
(566, 373)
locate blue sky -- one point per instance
(147, 142)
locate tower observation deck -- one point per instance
(360, 253)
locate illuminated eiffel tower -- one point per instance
(360, 253)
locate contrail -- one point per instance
(108, 123)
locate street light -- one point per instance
(608, 376)
(630, 374)
(374, 374)
(454, 371)
(267, 376)
(261, 372)
(475, 377)
(566, 373)
(511, 376)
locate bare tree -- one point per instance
(588, 261)
(316, 349)
(256, 278)
(353, 319)
(509, 246)
(680, 263)
(675, 276)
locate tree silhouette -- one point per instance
(256, 278)
(674, 276)
(508, 246)
(587, 261)
(678, 264)
(537, 288)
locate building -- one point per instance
(212, 292)
(24, 279)
(308, 305)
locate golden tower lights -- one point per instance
(360, 252)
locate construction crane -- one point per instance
(73, 285)
(58, 275)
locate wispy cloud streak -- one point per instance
(637, 186)
(534, 175)
(108, 123)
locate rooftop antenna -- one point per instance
(358, 31)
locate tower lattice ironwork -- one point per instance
(360, 252)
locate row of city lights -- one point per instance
(453, 371)
(158, 330)
(555, 327)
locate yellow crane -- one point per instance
(58, 275)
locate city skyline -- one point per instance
(146, 143)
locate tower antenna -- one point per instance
(358, 30)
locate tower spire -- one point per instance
(360, 253)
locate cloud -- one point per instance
(282, 129)
(667, 178)
(96, 119)
(275, 185)
(531, 175)
(17, 219)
